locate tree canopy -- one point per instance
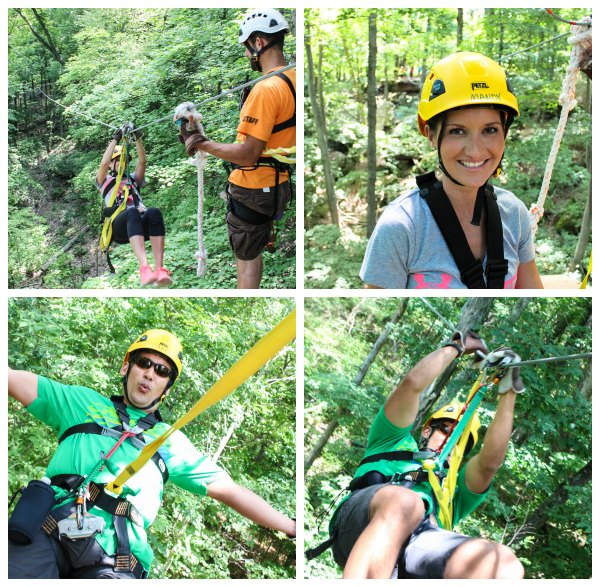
(82, 341)
(339, 156)
(106, 67)
(357, 350)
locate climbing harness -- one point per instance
(280, 159)
(264, 350)
(581, 41)
(471, 269)
(110, 209)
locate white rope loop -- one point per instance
(581, 41)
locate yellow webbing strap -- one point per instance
(262, 352)
(283, 154)
(587, 275)
(444, 492)
(106, 235)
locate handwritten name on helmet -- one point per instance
(494, 98)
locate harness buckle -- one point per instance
(472, 276)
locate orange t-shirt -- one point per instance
(269, 103)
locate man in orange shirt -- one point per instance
(258, 189)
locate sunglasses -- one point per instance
(443, 427)
(146, 363)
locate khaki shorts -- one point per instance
(247, 240)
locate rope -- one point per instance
(200, 162)
(581, 40)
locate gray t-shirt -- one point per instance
(407, 249)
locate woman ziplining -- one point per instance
(126, 218)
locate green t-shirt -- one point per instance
(386, 437)
(62, 406)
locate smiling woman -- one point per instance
(456, 230)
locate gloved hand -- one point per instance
(502, 358)
(191, 131)
(467, 343)
(118, 134)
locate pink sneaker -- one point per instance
(147, 276)
(163, 277)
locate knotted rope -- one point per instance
(581, 56)
(200, 162)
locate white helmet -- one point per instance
(264, 20)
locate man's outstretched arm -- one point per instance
(22, 386)
(251, 506)
(402, 406)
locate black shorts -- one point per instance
(424, 555)
(247, 239)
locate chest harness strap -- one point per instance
(237, 208)
(121, 509)
(138, 441)
(471, 269)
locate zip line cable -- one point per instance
(70, 108)
(500, 59)
(208, 100)
(222, 94)
(551, 360)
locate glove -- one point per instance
(118, 134)
(511, 379)
(191, 131)
(467, 343)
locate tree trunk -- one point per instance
(586, 221)
(474, 313)
(459, 27)
(321, 130)
(372, 124)
(226, 438)
(539, 518)
(360, 376)
(45, 38)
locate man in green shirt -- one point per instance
(98, 438)
(384, 524)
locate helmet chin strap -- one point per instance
(151, 404)
(255, 55)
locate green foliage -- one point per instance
(83, 340)
(165, 56)
(409, 42)
(551, 438)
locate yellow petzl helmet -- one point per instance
(160, 341)
(462, 80)
(451, 412)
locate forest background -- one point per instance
(119, 65)
(358, 349)
(364, 72)
(250, 433)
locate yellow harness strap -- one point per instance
(444, 491)
(106, 235)
(587, 275)
(262, 352)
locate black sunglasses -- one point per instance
(146, 363)
(443, 427)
